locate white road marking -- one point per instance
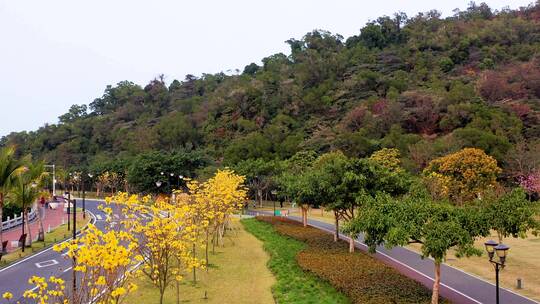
(39, 253)
(99, 217)
(46, 263)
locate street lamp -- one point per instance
(501, 250)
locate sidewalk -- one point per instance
(52, 219)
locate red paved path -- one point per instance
(52, 218)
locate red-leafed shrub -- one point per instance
(421, 113)
(511, 82)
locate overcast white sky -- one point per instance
(57, 53)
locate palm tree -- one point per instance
(8, 169)
(25, 190)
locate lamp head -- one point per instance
(158, 184)
(501, 250)
(490, 248)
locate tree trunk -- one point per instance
(259, 194)
(351, 243)
(304, 214)
(194, 268)
(161, 296)
(206, 250)
(336, 233)
(28, 231)
(178, 291)
(41, 234)
(500, 237)
(436, 284)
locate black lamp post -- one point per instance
(90, 175)
(501, 250)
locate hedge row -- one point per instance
(361, 277)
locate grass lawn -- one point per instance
(523, 262)
(237, 274)
(293, 284)
(56, 235)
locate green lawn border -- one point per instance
(293, 285)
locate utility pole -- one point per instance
(23, 236)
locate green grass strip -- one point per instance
(293, 284)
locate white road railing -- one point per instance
(17, 220)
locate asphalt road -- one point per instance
(456, 285)
(14, 278)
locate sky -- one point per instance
(57, 53)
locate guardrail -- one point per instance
(17, 220)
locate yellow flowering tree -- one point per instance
(164, 240)
(221, 196)
(462, 176)
(103, 262)
(45, 291)
(388, 158)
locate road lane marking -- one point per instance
(39, 253)
(46, 263)
(99, 217)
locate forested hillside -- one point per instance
(424, 84)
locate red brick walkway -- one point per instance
(52, 218)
